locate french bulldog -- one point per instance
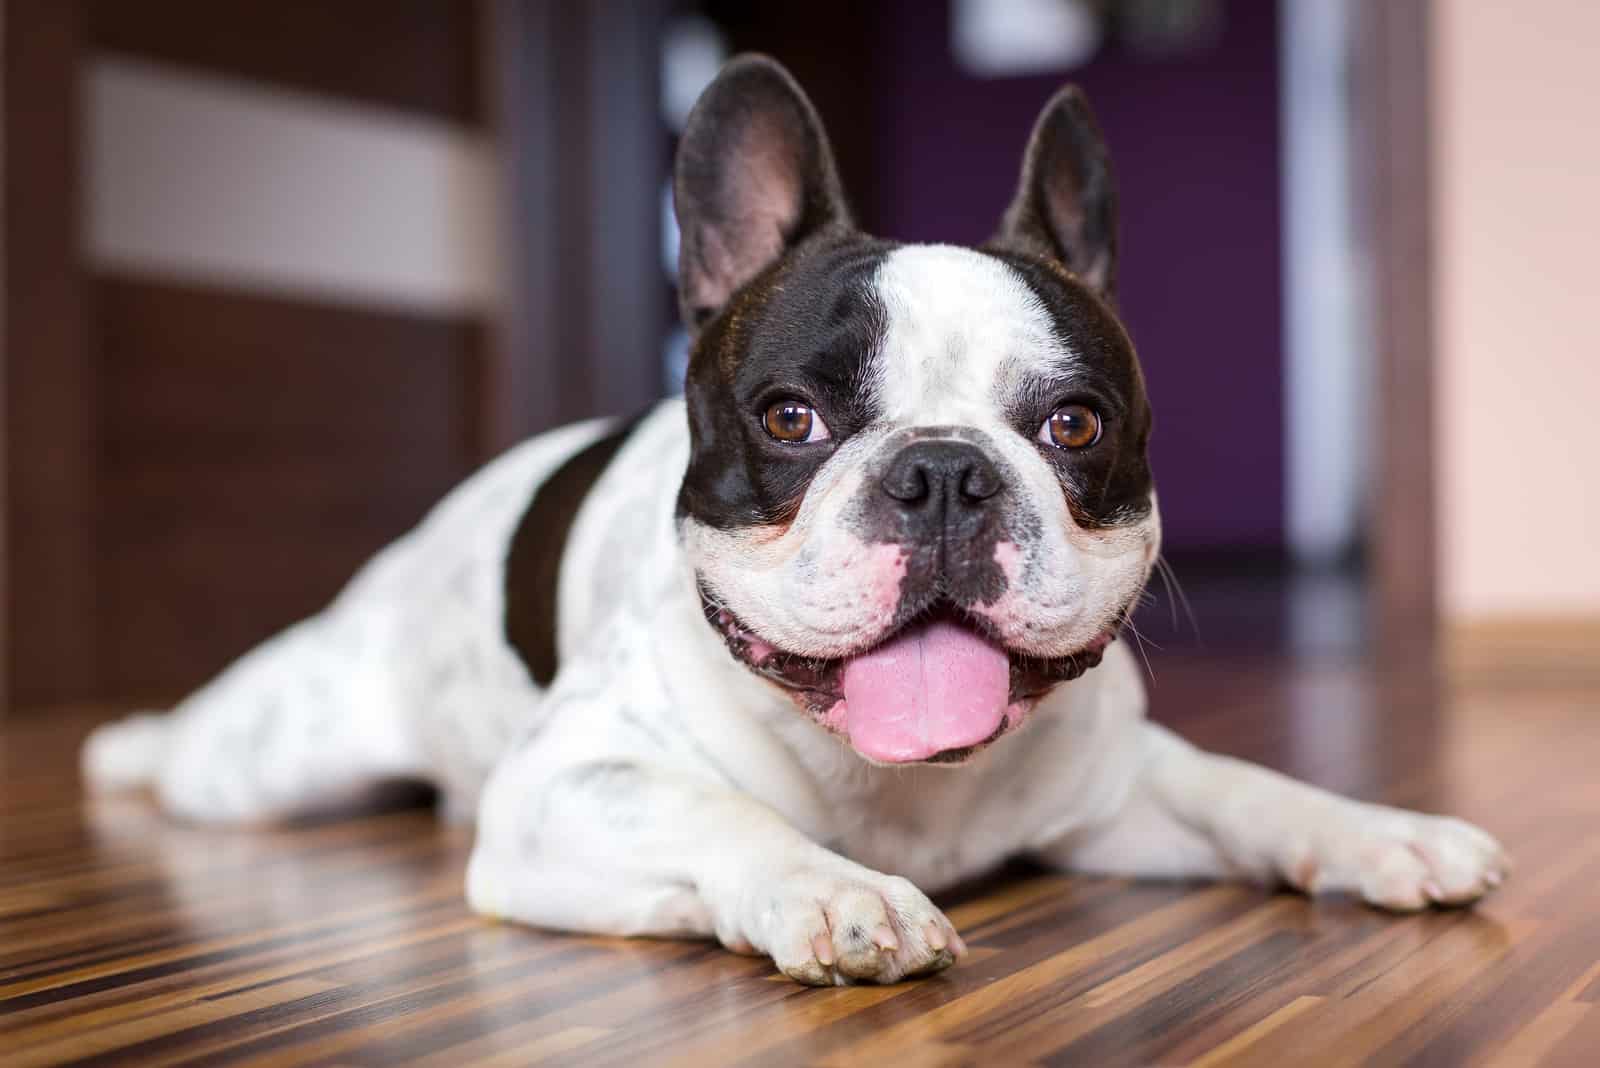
(834, 630)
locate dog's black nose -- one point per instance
(941, 479)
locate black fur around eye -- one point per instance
(794, 422)
(1071, 426)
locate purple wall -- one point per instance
(1195, 143)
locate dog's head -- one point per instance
(918, 496)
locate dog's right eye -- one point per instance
(794, 422)
(1071, 426)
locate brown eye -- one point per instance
(1071, 426)
(794, 422)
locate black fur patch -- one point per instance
(803, 329)
(1107, 484)
(533, 562)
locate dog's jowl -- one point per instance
(834, 630)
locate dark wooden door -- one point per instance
(200, 449)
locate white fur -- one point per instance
(126, 754)
(964, 334)
(660, 787)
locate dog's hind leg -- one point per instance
(305, 722)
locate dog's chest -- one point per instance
(935, 826)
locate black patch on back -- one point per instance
(533, 562)
(804, 328)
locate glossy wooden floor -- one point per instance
(126, 940)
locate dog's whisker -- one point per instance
(1176, 594)
(1125, 622)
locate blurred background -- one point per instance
(277, 275)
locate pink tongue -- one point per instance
(935, 687)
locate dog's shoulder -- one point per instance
(595, 527)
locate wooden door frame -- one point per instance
(48, 419)
(583, 217)
(1390, 82)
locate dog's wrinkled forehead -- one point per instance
(963, 335)
(909, 335)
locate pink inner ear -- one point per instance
(726, 264)
(761, 204)
(1064, 207)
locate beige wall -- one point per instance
(1517, 173)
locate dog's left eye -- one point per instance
(793, 422)
(1071, 426)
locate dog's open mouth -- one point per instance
(937, 689)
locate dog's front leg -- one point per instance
(616, 846)
(1192, 813)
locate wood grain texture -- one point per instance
(125, 939)
(254, 452)
(1564, 648)
(1392, 141)
(48, 424)
(418, 56)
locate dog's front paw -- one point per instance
(1407, 861)
(832, 929)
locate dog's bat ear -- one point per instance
(1065, 206)
(754, 177)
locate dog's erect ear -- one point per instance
(1066, 203)
(754, 177)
